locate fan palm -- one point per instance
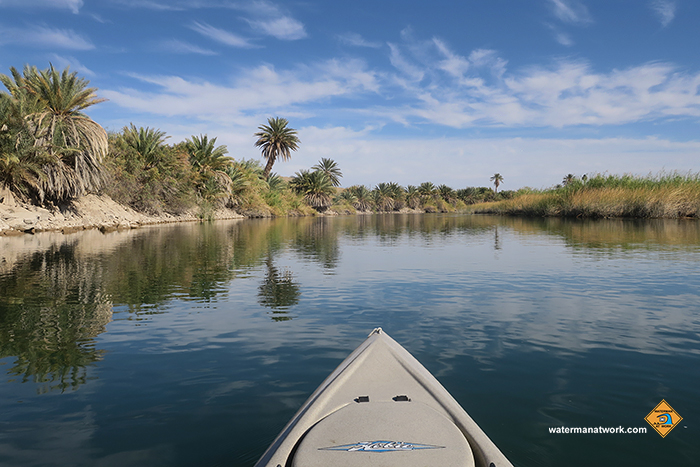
(497, 179)
(276, 141)
(330, 168)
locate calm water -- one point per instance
(194, 344)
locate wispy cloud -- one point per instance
(570, 11)
(665, 10)
(271, 20)
(477, 90)
(222, 36)
(73, 5)
(356, 40)
(180, 47)
(560, 36)
(155, 5)
(259, 89)
(44, 37)
(433, 84)
(407, 68)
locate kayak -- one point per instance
(381, 408)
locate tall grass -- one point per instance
(665, 195)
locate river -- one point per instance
(193, 344)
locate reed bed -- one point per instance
(669, 196)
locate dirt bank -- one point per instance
(87, 212)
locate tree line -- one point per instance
(52, 152)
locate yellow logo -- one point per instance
(663, 418)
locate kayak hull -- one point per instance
(379, 407)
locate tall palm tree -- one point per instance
(331, 169)
(497, 179)
(276, 140)
(568, 179)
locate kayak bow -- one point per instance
(381, 407)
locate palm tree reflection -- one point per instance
(278, 291)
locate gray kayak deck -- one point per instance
(381, 407)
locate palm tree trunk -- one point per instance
(268, 168)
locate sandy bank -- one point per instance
(87, 212)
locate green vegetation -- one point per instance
(49, 149)
(51, 152)
(667, 195)
(392, 197)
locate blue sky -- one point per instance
(406, 91)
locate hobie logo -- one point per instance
(663, 418)
(381, 446)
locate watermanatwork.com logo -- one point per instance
(595, 430)
(662, 419)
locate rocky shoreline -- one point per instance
(88, 212)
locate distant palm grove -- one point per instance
(51, 152)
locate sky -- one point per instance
(394, 91)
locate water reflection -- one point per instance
(51, 308)
(278, 291)
(59, 292)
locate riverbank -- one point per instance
(83, 213)
(103, 213)
(667, 196)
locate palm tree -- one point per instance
(212, 163)
(20, 162)
(51, 104)
(447, 193)
(383, 195)
(315, 187)
(412, 197)
(568, 179)
(427, 190)
(147, 142)
(497, 179)
(362, 195)
(276, 140)
(330, 168)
